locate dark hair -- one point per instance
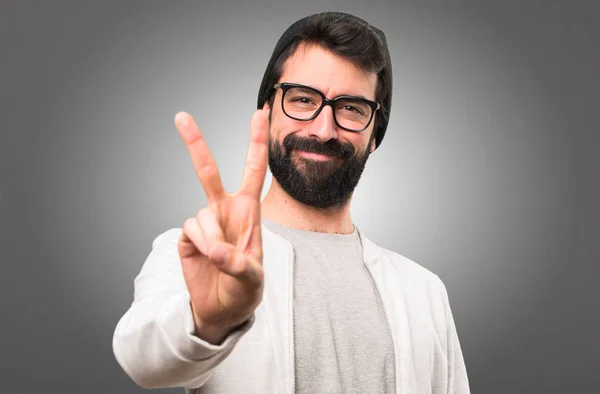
(348, 37)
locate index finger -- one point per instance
(255, 169)
(204, 163)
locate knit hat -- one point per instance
(292, 33)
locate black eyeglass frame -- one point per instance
(285, 86)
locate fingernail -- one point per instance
(220, 255)
(182, 118)
(225, 258)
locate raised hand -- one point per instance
(221, 248)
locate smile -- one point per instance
(315, 156)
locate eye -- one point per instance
(303, 100)
(351, 108)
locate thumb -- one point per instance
(236, 264)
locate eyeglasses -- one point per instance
(304, 103)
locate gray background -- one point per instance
(488, 176)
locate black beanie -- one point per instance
(291, 34)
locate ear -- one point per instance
(373, 144)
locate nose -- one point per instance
(323, 126)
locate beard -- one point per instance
(322, 184)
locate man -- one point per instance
(287, 295)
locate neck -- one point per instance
(279, 207)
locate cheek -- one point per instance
(360, 141)
(281, 125)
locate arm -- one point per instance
(458, 382)
(154, 341)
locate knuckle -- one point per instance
(201, 214)
(207, 169)
(205, 217)
(254, 167)
(188, 224)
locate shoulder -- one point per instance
(406, 269)
(409, 266)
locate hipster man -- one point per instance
(286, 295)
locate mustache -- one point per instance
(331, 147)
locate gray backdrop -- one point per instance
(488, 175)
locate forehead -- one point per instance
(333, 75)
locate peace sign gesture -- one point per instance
(221, 248)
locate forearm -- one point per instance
(154, 341)
(156, 346)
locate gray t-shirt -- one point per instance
(341, 337)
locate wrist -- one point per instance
(211, 333)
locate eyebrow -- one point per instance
(339, 95)
(356, 95)
(307, 89)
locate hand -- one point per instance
(221, 248)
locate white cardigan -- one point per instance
(154, 342)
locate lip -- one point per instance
(315, 156)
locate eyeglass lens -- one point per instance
(302, 103)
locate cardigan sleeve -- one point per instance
(153, 341)
(458, 382)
